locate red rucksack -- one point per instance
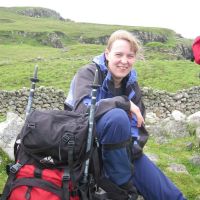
(50, 161)
(196, 50)
(49, 186)
(49, 158)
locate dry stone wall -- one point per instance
(44, 98)
(160, 102)
(163, 103)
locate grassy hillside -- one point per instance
(22, 46)
(56, 67)
(12, 20)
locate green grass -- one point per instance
(3, 175)
(168, 75)
(175, 151)
(2, 118)
(57, 67)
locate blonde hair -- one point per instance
(124, 35)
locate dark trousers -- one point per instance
(114, 127)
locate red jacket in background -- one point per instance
(196, 50)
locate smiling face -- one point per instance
(121, 58)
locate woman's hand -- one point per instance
(135, 109)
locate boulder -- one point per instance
(178, 168)
(178, 116)
(9, 130)
(169, 128)
(194, 119)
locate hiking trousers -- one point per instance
(114, 127)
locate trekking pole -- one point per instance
(95, 86)
(34, 80)
(17, 166)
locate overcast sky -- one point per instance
(182, 16)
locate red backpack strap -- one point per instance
(45, 185)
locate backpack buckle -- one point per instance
(15, 168)
(69, 139)
(66, 177)
(71, 142)
(31, 125)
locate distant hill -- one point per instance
(42, 26)
(30, 36)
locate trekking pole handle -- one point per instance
(95, 86)
(34, 80)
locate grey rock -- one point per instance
(153, 157)
(178, 116)
(194, 119)
(178, 168)
(9, 130)
(195, 160)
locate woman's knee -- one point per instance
(114, 126)
(118, 116)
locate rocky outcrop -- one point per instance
(143, 36)
(181, 51)
(146, 37)
(53, 39)
(91, 40)
(152, 39)
(40, 12)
